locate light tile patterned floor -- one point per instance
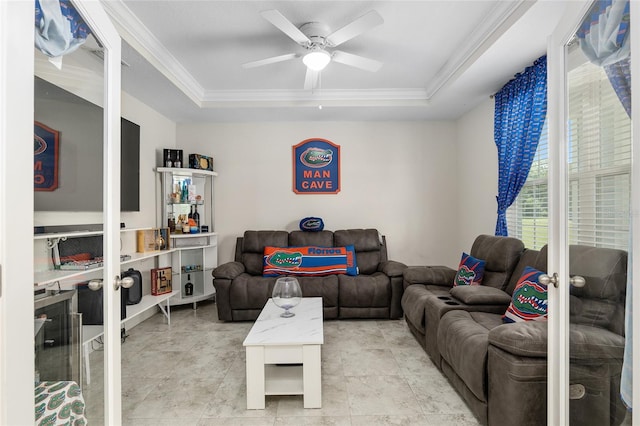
(193, 373)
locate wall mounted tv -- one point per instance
(80, 124)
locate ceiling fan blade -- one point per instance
(364, 23)
(311, 80)
(284, 25)
(356, 61)
(271, 60)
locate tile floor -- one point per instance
(193, 373)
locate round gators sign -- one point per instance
(316, 167)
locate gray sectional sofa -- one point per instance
(242, 291)
(500, 369)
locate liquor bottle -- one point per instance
(190, 216)
(171, 223)
(178, 161)
(185, 191)
(196, 216)
(188, 287)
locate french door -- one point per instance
(583, 383)
(20, 310)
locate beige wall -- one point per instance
(477, 175)
(398, 177)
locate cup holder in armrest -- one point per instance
(444, 298)
(451, 302)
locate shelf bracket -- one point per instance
(52, 243)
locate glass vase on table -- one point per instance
(286, 295)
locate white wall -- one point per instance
(398, 177)
(477, 175)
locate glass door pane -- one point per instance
(76, 221)
(598, 175)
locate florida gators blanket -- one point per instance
(309, 261)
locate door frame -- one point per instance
(16, 215)
(16, 228)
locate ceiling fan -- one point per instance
(319, 42)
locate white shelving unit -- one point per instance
(193, 255)
(48, 276)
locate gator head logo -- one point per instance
(530, 299)
(316, 157)
(465, 276)
(312, 224)
(39, 145)
(283, 259)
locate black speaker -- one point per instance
(90, 305)
(133, 294)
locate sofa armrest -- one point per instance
(429, 275)
(529, 338)
(391, 268)
(228, 270)
(480, 295)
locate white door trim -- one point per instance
(16, 198)
(558, 245)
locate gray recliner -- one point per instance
(501, 369)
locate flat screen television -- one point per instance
(79, 124)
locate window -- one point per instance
(599, 156)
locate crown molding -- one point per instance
(279, 98)
(493, 25)
(134, 32)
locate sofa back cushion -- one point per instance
(536, 259)
(501, 255)
(253, 245)
(601, 301)
(318, 239)
(370, 250)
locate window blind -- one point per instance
(599, 167)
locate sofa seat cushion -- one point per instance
(480, 295)
(251, 292)
(463, 341)
(530, 339)
(365, 290)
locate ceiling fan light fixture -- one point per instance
(317, 60)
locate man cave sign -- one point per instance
(316, 167)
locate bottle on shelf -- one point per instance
(171, 223)
(188, 287)
(190, 216)
(178, 161)
(185, 191)
(196, 216)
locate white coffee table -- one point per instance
(283, 354)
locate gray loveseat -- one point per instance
(499, 369)
(242, 291)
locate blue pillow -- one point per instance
(529, 299)
(470, 271)
(311, 224)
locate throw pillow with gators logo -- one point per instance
(470, 271)
(309, 261)
(529, 299)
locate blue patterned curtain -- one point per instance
(604, 39)
(59, 28)
(521, 108)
